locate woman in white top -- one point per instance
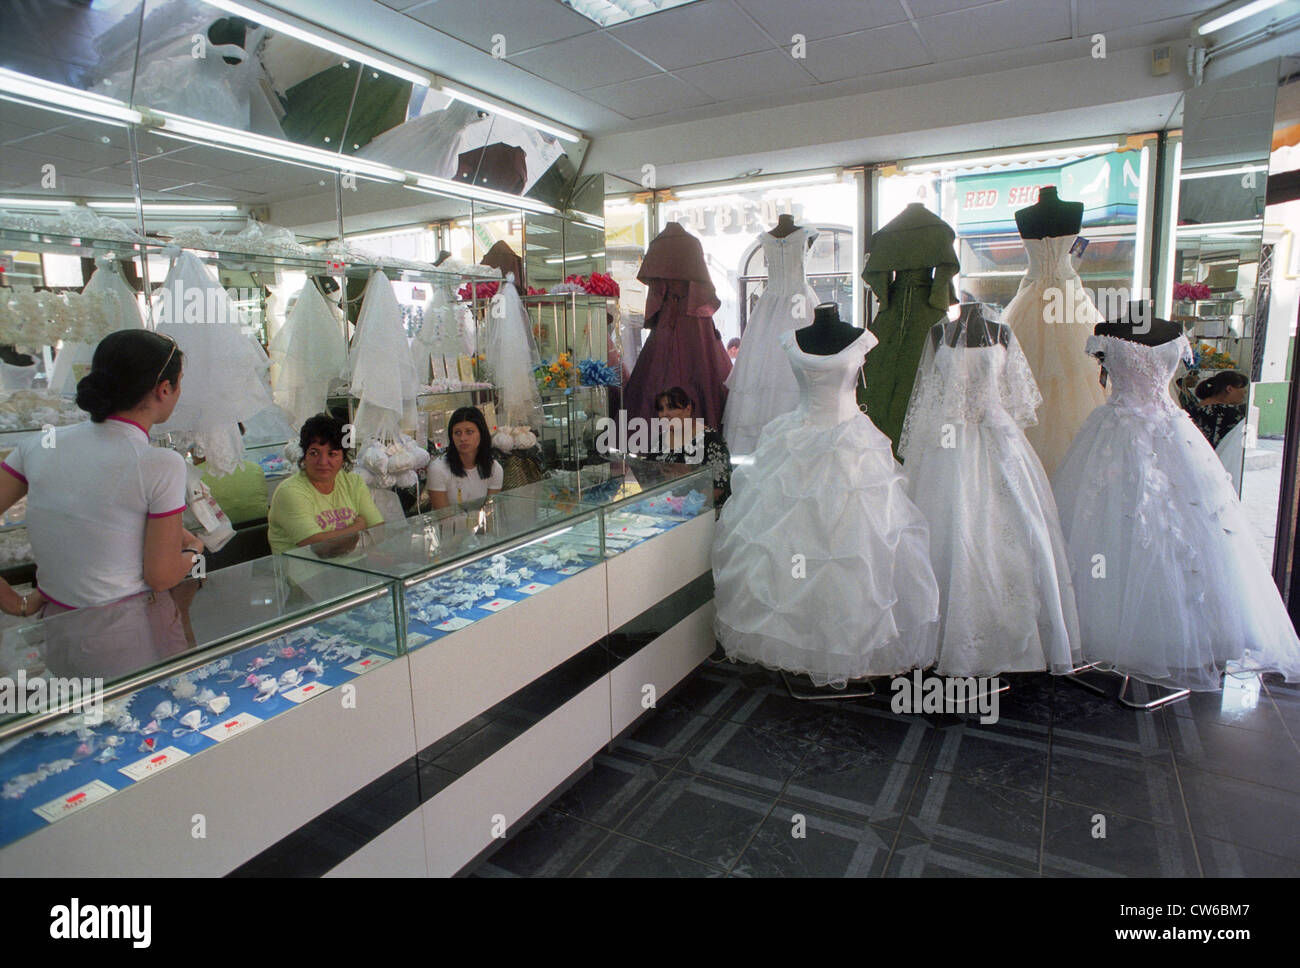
(103, 506)
(466, 472)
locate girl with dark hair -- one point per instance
(676, 406)
(104, 507)
(324, 499)
(466, 472)
(1222, 404)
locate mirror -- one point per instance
(1221, 278)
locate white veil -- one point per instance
(383, 374)
(511, 357)
(308, 352)
(124, 314)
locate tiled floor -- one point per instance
(732, 777)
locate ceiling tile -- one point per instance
(524, 25)
(747, 75)
(816, 19)
(657, 94)
(870, 52)
(582, 62)
(1007, 25)
(695, 34)
(1095, 16)
(931, 8)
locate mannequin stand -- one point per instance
(795, 686)
(1170, 696)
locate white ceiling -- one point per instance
(721, 57)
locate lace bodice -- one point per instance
(827, 395)
(785, 260)
(1049, 259)
(1140, 374)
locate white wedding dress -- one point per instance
(1006, 601)
(821, 564)
(761, 385)
(1052, 317)
(1169, 583)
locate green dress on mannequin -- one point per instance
(910, 269)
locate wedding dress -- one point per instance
(1052, 316)
(73, 361)
(820, 562)
(1006, 601)
(761, 384)
(1169, 583)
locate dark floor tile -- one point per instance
(707, 694)
(758, 760)
(1233, 810)
(623, 857)
(697, 817)
(1143, 787)
(861, 728)
(866, 785)
(978, 818)
(552, 845)
(1079, 715)
(1241, 704)
(663, 737)
(770, 709)
(920, 858)
(1130, 848)
(614, 786)
(1222, 859)
(1002, 756)
(1269, 759)
(1030, 700)
(796, 842)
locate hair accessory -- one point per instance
(182, 688)
(290, 678)
(151, 728)
(191, 722)
(106, 755)
(165, 710)
(267, 688)
(313, 667)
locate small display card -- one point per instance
(570, 569)
(452, 624)
(532, 588)
(1080, 244)
(365, 664)
(497, 604)
(305, 692)
(154, 763)
(60, 807)
(229, 727)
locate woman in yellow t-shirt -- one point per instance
(323, 500)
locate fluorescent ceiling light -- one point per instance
(506, 111)
(609, 12)
(759, 184)
(59, 95)
(223, 137)
(165, 208)
(1029, 154)
(577, 256)
(1230, 17)
(35, 202)
(1220, 172)
(318, 37)
(457, 189)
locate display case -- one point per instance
(110, 697)
(571, 425)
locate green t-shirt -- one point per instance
(299, 511)
(241, 493)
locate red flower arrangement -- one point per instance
(601, 284)
(1192, 290)
(483, 290)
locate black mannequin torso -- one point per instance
(1049, 217)
(1139, 325)
(785, 226)
(827, 334)
(979, 330)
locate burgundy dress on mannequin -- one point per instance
(683, 348)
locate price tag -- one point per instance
(532, 588)
(366, 663)
(154, 763)
(570, 569)
(305, 692)
(229, 727)
(497, 604)
(60, 807)
(452, 624)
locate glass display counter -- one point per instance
(100, 699)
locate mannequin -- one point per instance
(1140, 325)
(979, 330)
(1049, 217)
(785, 225)
(827, 334)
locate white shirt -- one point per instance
(471, 487)
(88, 499)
